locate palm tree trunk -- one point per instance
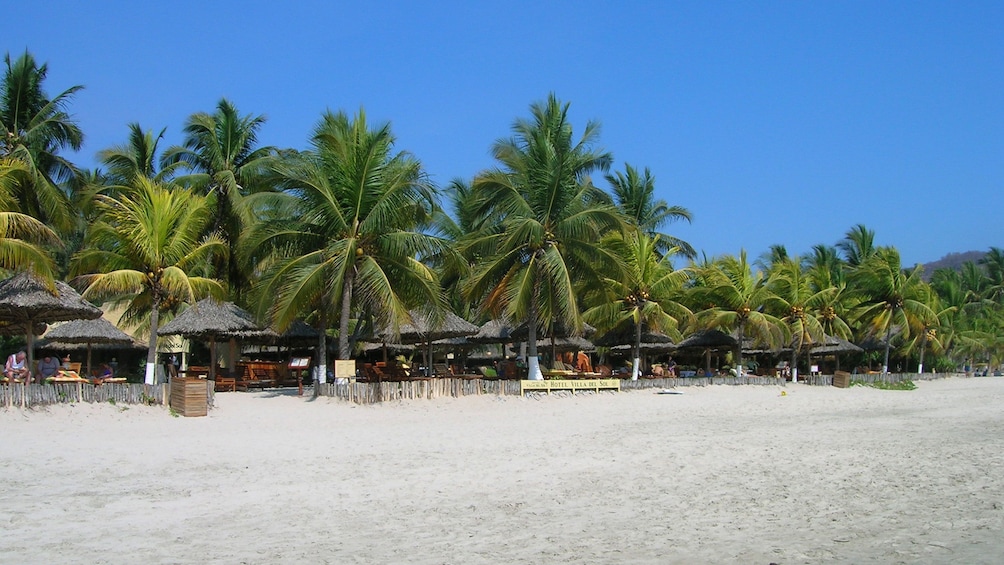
(793, 369)
(343, 321)
(888, 334)
(151, 353)
(739, 349)
(923, 347)
(636, 369)
(532, 361)
(322, 351)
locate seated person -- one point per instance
(658, 372)
(17, 367)
(104, 373)
(671, 368)
(66, 363)
(48, 367)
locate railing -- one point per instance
(371, 393)
(827, 380)
(23, 396)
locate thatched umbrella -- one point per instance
(26, 302)
(493, 331)
(89, 332)
(835, 346)
(426, 328)
(708, 340)
(211, 319)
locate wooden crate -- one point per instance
(189, 396)
(841, 379)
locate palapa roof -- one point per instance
(616, 339)
(566, 344)
(211, 318)
(835, 345)
(422, 328)
(24, 299)
(493, 331)
(98, 330)
(67, 346)
(708, 338)
(521, 332)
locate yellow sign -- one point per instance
(568, 384)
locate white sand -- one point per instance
(715, 475)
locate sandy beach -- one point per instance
(713, 475)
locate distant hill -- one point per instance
(952, 261)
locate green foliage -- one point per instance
(897, 385)
(549, 217)
(348, 232)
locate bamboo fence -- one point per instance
(869, 378)
(26, 396)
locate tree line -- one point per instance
(351, 235)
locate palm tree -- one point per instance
(993, 262)
(549, 216)
(221, 150)
(801, 305)
(22, 237)
(739, 300)
(35, 129)
(858, 245)
(136, 158)
(348, 232)
(647, 294)
(891, 297)
(145, 249)
(634, 195)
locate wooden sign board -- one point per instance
(345, 369)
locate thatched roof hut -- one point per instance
(212, 320)
(26, 302)
(89, 332)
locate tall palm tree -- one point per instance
(35, 129)
(221, 149)
(801, 304)
(740, 300)
(648, 292)
(454, 226)
(858, 245)
(891, 297)
(136, 158)
(551, 217)
(22, 237)
(993, 262)
(348, 232)
(634, 195)
(146, 249)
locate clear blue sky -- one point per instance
(773, 122)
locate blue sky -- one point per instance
(773, 122)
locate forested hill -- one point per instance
(952, 261)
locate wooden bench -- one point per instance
(569, 384)
(258, 375)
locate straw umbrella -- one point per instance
(708, 340)
(98, 330)
(834, 346)
(25, 302)
(426, 328)
(210, 319)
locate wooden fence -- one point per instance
(827, 380)
(65, 393)
(371, 393)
